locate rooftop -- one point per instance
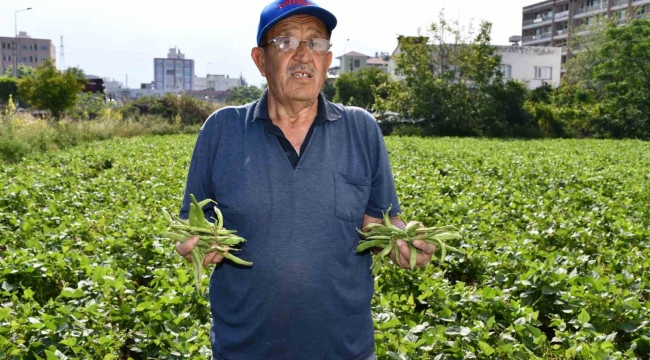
(353, 54)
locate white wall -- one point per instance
(524, 59)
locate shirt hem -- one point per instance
(363, 356)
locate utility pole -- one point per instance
(62, 55)
(16, 40)
(127, 81)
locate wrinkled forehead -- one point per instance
(298, 23)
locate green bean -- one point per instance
(370, 244)
(212, 236)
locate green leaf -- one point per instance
(72, 293)
(485, 348)
(69, 342)
(584, 317)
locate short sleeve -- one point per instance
(199, 176)
(382, 194)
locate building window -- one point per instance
(357, 63)
(24, 47)
(187, 71)
(159, 78)
(543, 72)
(179, 64)
(3, 45)
(169, 71)
(159, 62)
(169, 64)
(9, 57)
(506, 71)
(31, 59)
(4, 58)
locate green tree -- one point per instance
(624, 72)
(357, 88)
(23, 71)
(450, 83)
(8, 88)
(585, 47)
(328, 91)
(49, 89)
(245, 94)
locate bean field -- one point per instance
(556, 235)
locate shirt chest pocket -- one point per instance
(351, 194)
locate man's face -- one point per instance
(295, 75)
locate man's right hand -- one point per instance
(184, 248)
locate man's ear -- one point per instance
(258, 57)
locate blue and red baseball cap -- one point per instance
(278, 10)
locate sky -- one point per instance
(120, 38)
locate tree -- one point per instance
(357, 88)
(8, 88)
(450, 83)
(23, 71)
(585, 49)
(328, 91)
(49, 89)
(245, 94)
(624, 72)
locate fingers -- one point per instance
(404, 253)
(212, 258)
(427, 249)
(185, 248)
(422, 259)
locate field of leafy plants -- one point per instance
(556, 235)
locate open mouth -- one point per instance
(302, 75)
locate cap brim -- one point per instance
(327, 17)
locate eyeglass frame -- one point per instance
(277, 47)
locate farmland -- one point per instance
(556, 235)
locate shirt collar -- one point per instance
(326, 110)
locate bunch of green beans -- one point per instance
(385, 236)
(212, 236)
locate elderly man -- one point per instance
(295, 175)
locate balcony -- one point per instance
(642, 16)
(640, 2)
(561, 34)
(618, 3)
(580, 12)
(561, 16)
(621, 21)
(536, 38)
(538, 22)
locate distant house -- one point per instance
(380, 61)
(354, 61)
(533, 65)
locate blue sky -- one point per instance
(118, 37)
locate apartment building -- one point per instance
(553, 22)
(30, 52)
(173, 73)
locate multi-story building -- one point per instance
(29, 52)
(174, 73)
(216, 82)
(532, 65)
(554, 22)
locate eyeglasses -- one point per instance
(285, 44)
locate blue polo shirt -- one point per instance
(308, 294)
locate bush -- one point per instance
(408, 130)
(12, 150)
(8, 88)
(183, 110)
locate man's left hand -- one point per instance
(422, 259)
